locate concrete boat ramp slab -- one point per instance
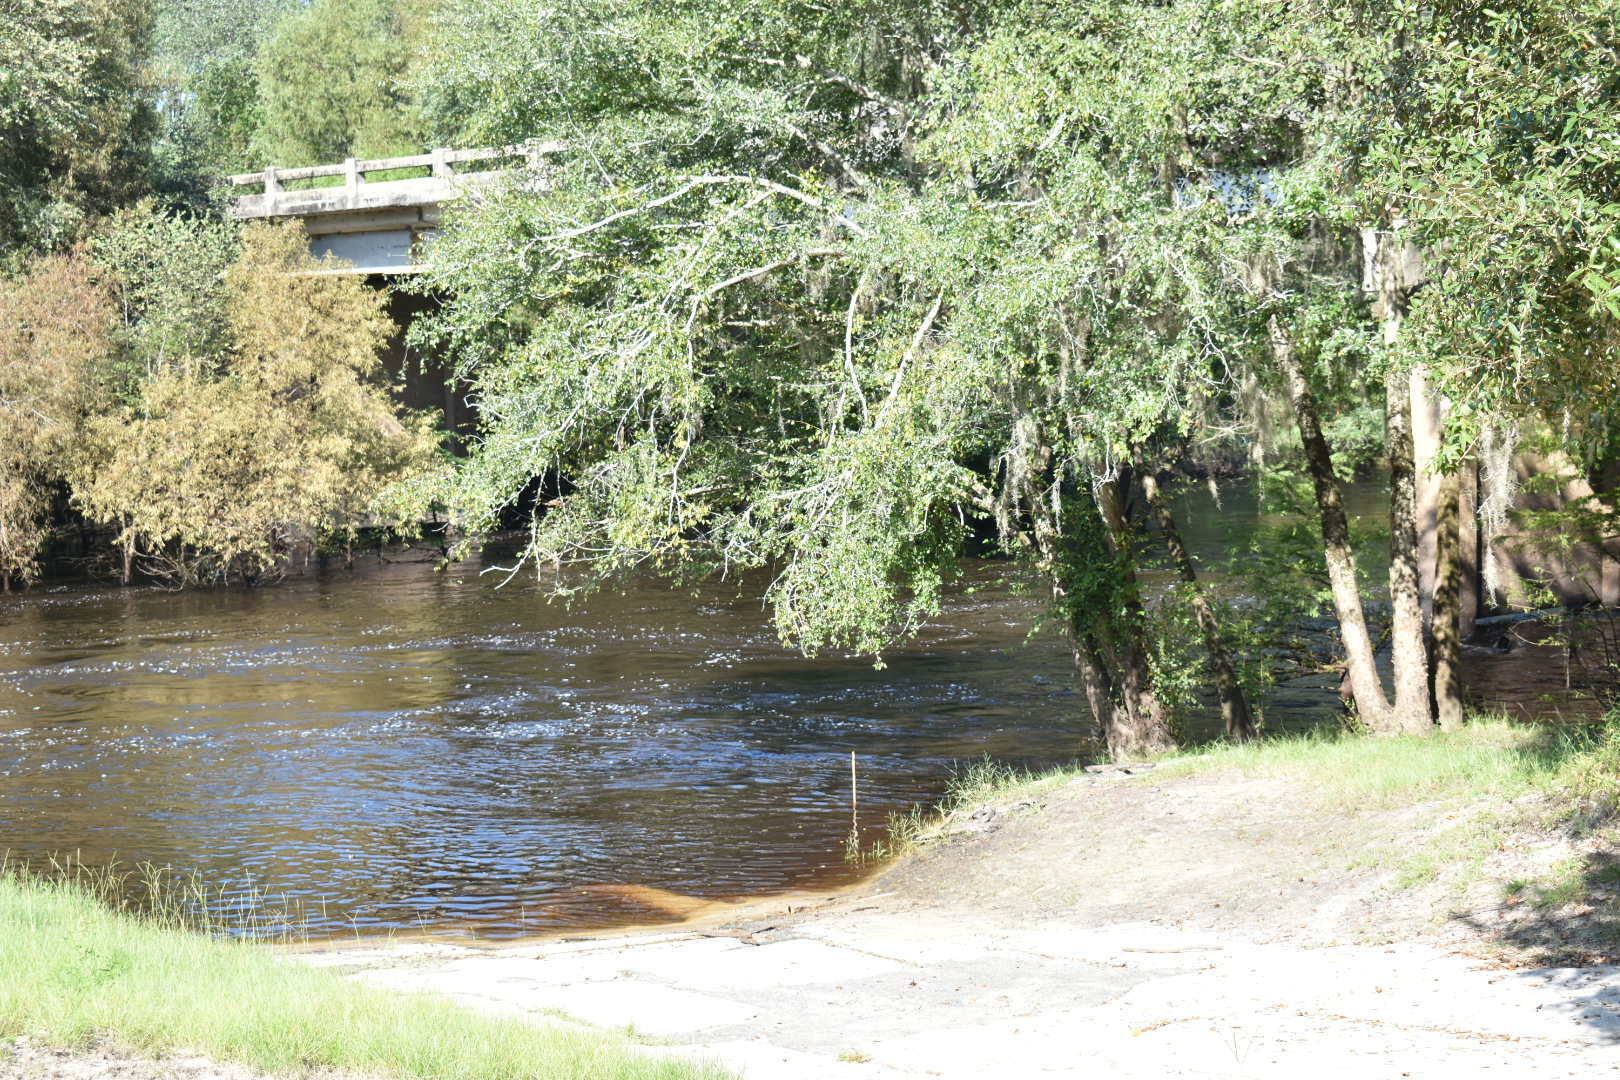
(855, 990)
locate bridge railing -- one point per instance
(356, 192)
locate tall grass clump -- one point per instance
(162, 896)
(1592, 777)
(970, 785)
(75, 973)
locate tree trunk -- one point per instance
(1235, 712)
(129, 557)
(1470, 551)
(1428, 434)
(1365, 688)
(1448, 605)
(1058, 547)
(1143, 726)
(1070, 539)
(1441, 550)
(1095, 682)
(1408, 653)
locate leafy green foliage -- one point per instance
(767, 341)
(168, 273)
(798, 302)
(205, 62)
(332, 83)
(76, 118)
(1180, 665)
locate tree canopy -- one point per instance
(837, 293)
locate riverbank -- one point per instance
(1338, 907)
(1331, 907)
(1500, 837)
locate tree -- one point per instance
(332, 82)
(57, 325)
(1474, 139)
(167, 271)
(76, 117)
(818, 285)
(229, 462)
(1111, 126)
(748, 332)
(205, 59)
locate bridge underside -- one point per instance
(392, 241)
(424, 380)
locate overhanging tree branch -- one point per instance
(694, 183)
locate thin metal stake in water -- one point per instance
(854, 806)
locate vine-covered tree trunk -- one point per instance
(1235, 713)
(1365, 687)
(1094, 681)
(1408, 654)
(1142, 726)
(1448, 605)
(1092, 588)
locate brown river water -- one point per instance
(417, 749)
(396, 748)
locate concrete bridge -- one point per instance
(382, 226)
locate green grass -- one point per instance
(1563, 884)
(1458, 852)
(1487, 758)
(74, 973)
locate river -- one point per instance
(399, 748)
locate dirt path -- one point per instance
(1235, 937)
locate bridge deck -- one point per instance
(383, 226)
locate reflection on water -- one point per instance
(417, 749)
